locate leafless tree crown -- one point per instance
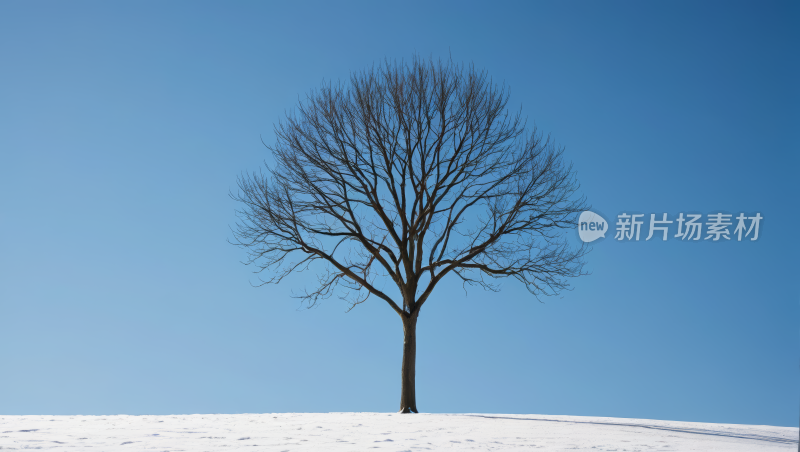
(410, 172)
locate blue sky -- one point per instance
(123, 126)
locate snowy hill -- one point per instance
(382, 431)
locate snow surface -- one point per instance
(382, 431)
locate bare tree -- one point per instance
(409, 173)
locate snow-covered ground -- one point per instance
(382, 431)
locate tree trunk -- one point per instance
(408, 396)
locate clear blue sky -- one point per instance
(123, 126)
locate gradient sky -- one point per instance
(123, 126)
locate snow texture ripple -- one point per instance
(383, 432)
